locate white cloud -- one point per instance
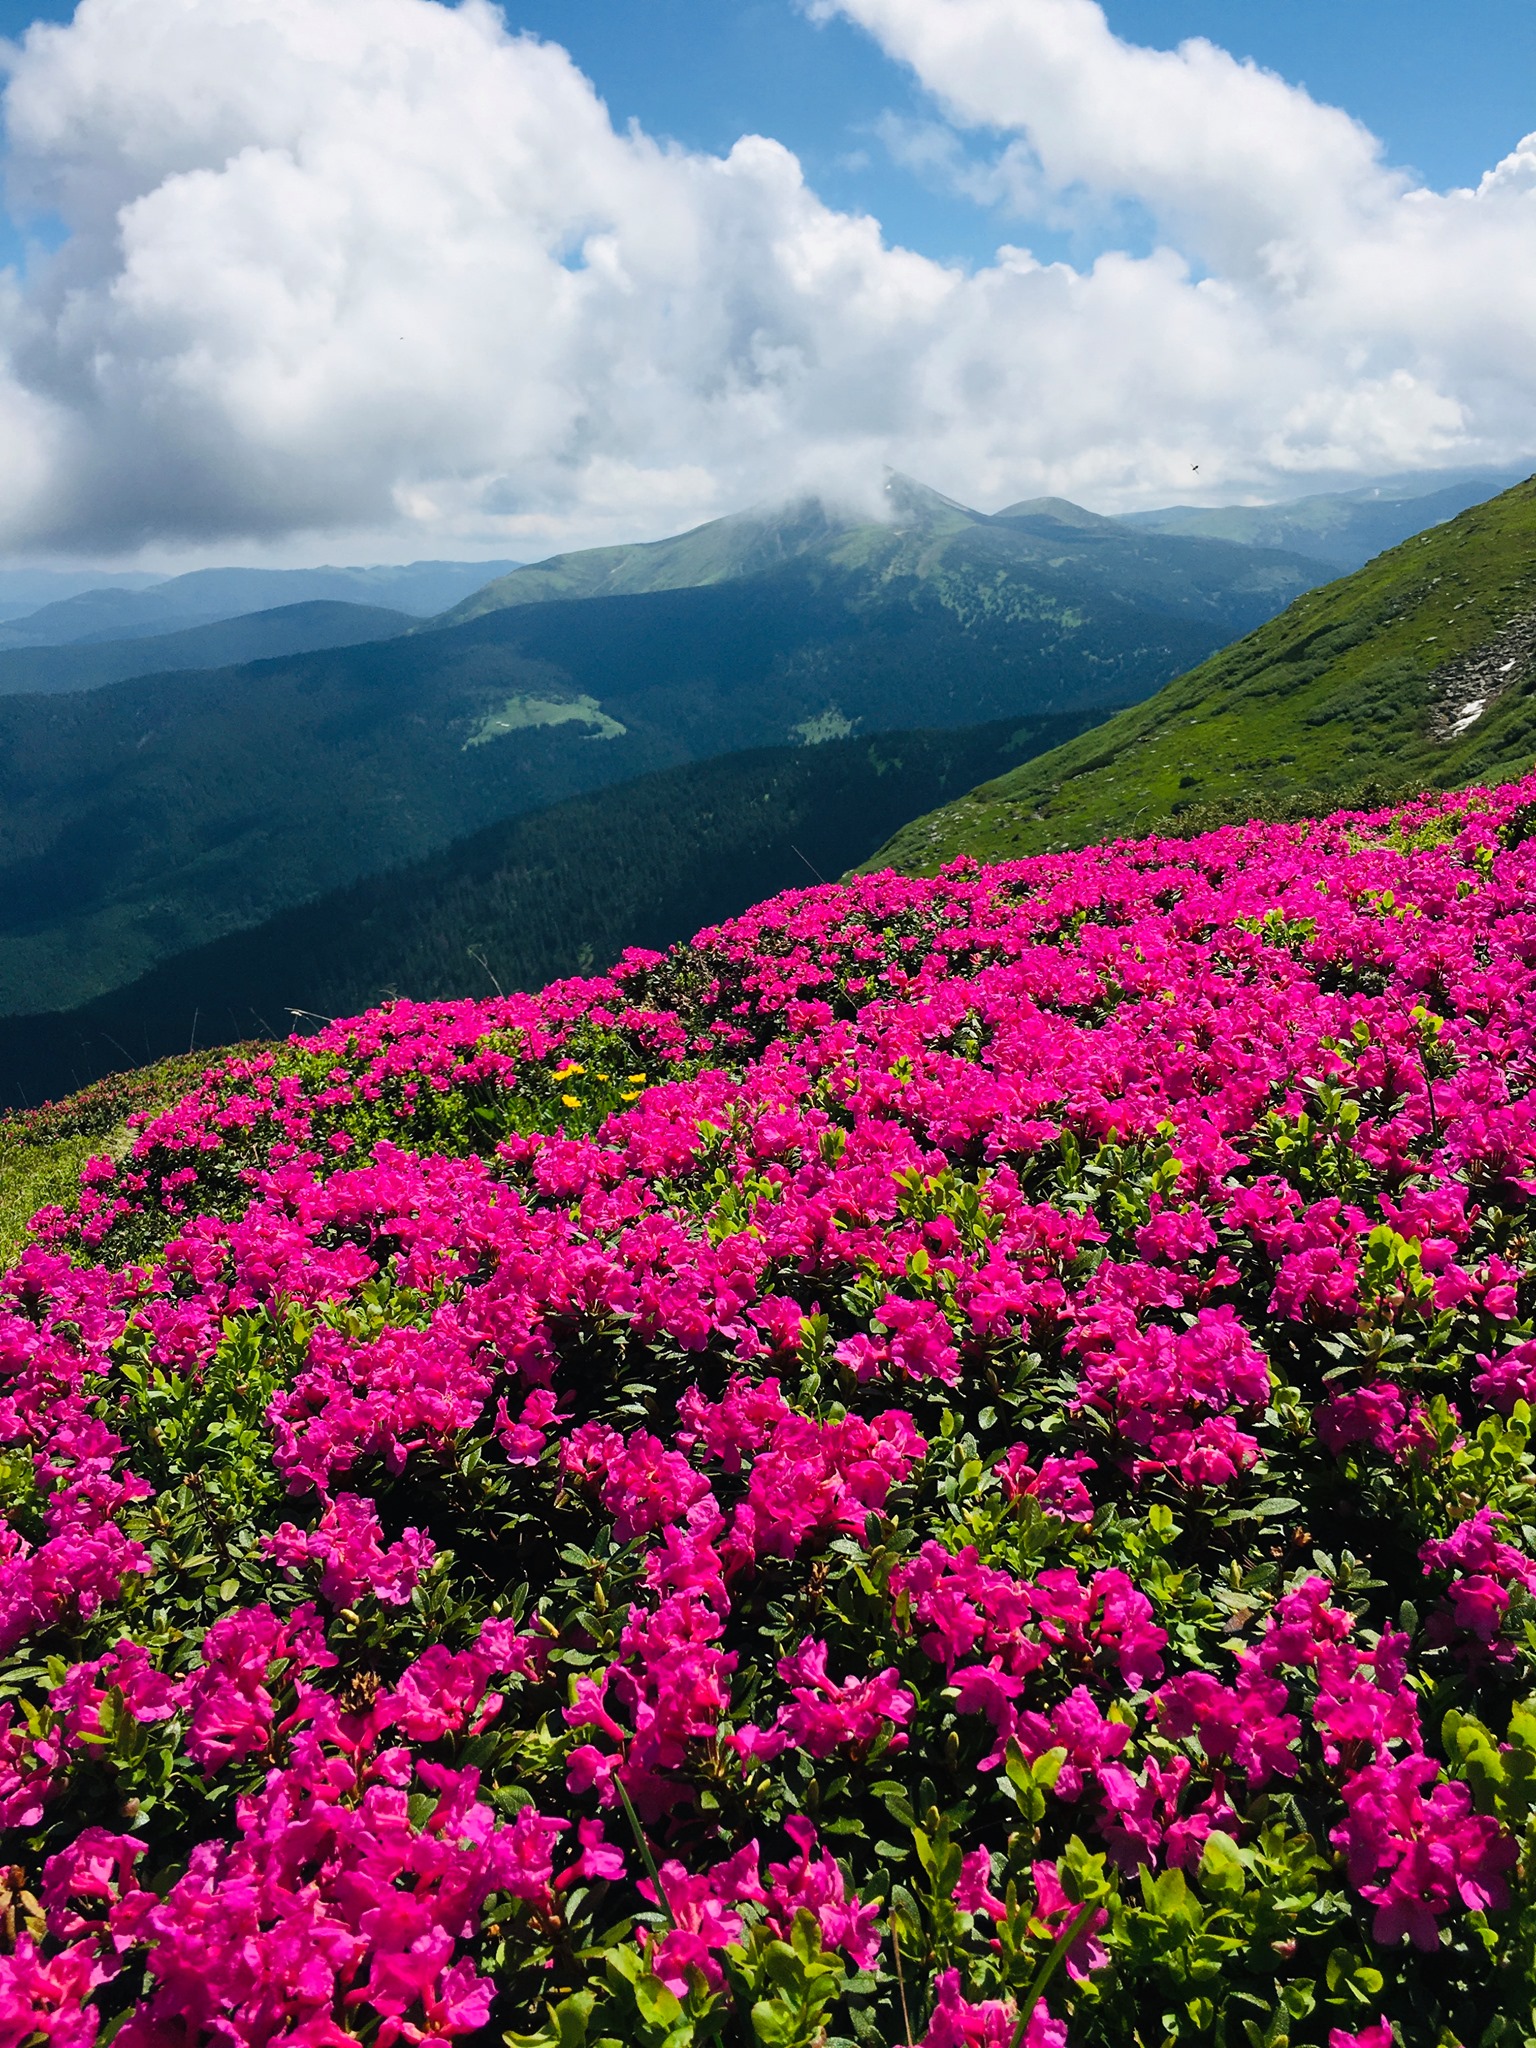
(1234, 160)
(1387, 318)
(333, 265)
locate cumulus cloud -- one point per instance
(333, 264)
(1391, 317)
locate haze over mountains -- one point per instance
(23, 591)
(182, 797)
(251, 636)
(124, 609)
(1342, 528)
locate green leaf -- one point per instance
(654, 2002)
(1221, 1868)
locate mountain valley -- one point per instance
(545, 894)
(614, 747)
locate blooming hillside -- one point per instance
(947, 1464)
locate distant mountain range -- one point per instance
(551, 893)
(26, 590)
(160, 812)
(130, 608)
(1345, 529)
(1417, 672)
(254, 636)
(114, 627)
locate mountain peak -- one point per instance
(917, 504)
(1059, 511)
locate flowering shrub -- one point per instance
(947, 1464)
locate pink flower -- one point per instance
(346, 1545)
(1509, 1378)
(597, 1858)
(647, 1486)
(525, 1853)
(1370, 1415)
(1078, 1727)
(973, 1892)
(779, 1319)
(1138, 1812)
(812, 1478)
(702, 1910)
(590, 1451)
(1057, 1486)
(27, 1770)
(814, 1883)
(921, 1342)
(524, 1440)
(1413, 1856)
(1057, 1912)
(439, 1693)
(1485, 1571)
(231, 1709)
(1247, 1724)
(957, 2023)
(45, 1996)
(97, 1866)
(824, 1714)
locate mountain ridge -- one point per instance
(304, 628)
(922, 531)
(1379, 684)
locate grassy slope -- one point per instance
(43, 1150)
(557, 892)
(1331, 700)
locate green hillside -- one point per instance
(42, 1150)
(1419, 671)
(158, 813)
(553, 893)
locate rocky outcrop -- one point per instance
(1466, 689)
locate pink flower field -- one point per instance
(947, 1464)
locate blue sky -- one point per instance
(1448, 85)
